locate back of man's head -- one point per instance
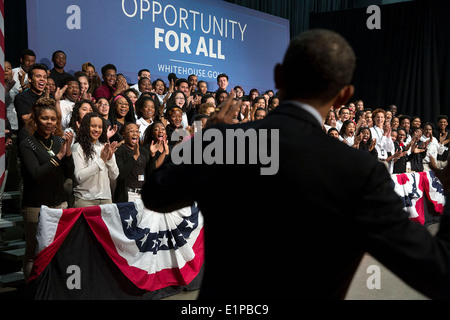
(317, 65)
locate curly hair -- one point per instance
(42, 104)
(84, 136)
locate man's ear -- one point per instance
(344, 95)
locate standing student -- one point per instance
(95, 163)
(24, 101)
(381, 131)
(120, 112)
(145, 112)
(46, 163)
(133, 162)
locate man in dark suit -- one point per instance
(301, 231)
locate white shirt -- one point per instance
(92, 178)
(142, 126)
(66, 107)
(384, 144)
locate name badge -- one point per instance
(141, 177)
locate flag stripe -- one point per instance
(139, 277)
(106, 222)
(60, 228)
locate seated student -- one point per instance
(95, 163)
(46, 163)
(133, 163)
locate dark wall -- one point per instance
(405, 62)
(16, 38)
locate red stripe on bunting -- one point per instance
(141, 278)
(65, 224)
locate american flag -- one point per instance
(152, 249)
(415, 188)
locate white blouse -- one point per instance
(384, 144)
(92, 178)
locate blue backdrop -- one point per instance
(202, 37)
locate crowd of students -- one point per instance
(403, 143)
(89, 139)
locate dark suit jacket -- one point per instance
(303, 231)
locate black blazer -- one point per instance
(302, 232)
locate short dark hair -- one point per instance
(27, 52)
(222, 75)
(143, 70)
(107, 67)
(39, 66)
(57, 51)
(317, 64)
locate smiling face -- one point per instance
(27, 61)
(95, 129)
(110, 77)
(145, 85)
(159, 132)
(85, 108)
(379, 119)
(131, 135)
(148, 109)
(46, 123)
(121, 107)
(38, 81)
(442, 124)
(59, 60)
(159, 87)
(175, 118)
(180, 99)
(103, 107)
(365, 135)
(84, 84)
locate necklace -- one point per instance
(49, 149)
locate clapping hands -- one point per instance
(108, 151)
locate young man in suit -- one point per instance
(295, 235)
